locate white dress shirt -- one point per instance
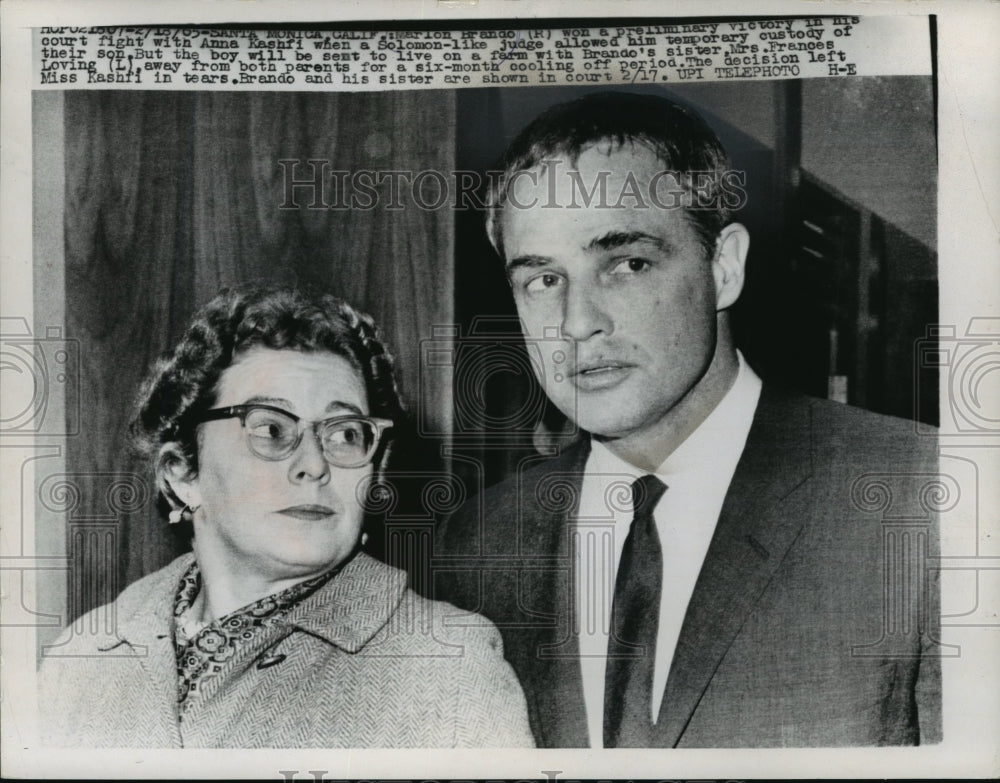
(697, 475)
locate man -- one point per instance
(707, 565)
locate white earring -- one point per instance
(186, 513)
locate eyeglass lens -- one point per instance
(273, 435)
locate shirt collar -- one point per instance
(724, 431)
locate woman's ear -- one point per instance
(175, 477)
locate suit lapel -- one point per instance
(556, 693)
(757, 525)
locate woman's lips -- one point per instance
(309, 512)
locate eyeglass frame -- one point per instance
(242, 411)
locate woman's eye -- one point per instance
(542, 283)
(343, 437)
(630, 266)
(270, 430)
(268, 427)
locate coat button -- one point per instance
(270, 660)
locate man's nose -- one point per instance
(308, 462)
(584, 314)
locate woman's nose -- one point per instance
(308, 462)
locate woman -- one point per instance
(265, 426)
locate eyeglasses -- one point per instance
(273, 434)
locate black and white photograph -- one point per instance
(570, 389)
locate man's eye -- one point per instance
(630, 266)
(542, 283)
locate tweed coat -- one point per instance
(368, 664)
(814, 617)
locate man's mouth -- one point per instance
(592, 376)
(308, 512)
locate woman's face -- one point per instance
(293, 517)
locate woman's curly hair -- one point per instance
(182, 384)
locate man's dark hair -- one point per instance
(680, 139)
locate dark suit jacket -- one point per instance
(813, 620)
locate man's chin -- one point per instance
(607, 422)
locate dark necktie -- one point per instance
(635, 614)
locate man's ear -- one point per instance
(729, 264)
(175, 478)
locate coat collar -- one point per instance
(146, 609)
(348, 611)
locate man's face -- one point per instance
(630, 290)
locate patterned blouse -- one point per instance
(202, 650)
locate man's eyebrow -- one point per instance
(608, 241)
(528, 261)
(616, 239)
